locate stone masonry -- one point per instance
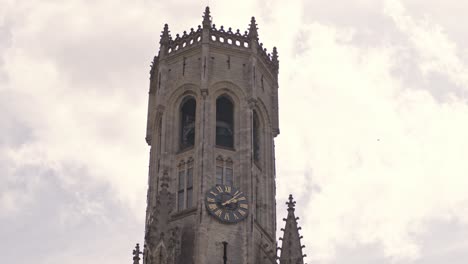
(203, 65)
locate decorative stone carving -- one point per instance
(159, 226)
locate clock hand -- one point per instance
(230, 200)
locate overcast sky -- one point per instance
(373, 119)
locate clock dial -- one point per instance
(227, 204)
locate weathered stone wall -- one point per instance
(205, 70)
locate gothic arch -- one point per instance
(263, 112)
(187, 122)
(159, 255)
(174, 103)
(229, 88)
(186, 88)
(237, 97)
(225, 121)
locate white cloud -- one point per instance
(387, 158)
(374, 159)
(438, 53)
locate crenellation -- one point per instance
(219, 38)
(186, 41)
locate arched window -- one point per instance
(256, 136)
(224, 122)
(187, 123)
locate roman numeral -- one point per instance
(245, 206)
(210, 200)
(241, 212)
(220, 190)
(227, 189)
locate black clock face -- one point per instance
(227, 204)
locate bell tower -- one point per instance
(212, 120)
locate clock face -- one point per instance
(227, 204)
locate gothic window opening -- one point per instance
(185, 185)
(159, 143)
(256, 137)
(257, 198)
(224, 122)
(224, 171)
(187, 132)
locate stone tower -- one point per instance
(212, 120)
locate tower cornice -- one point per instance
(248, 41)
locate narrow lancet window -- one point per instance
(185, 185)
(256, 137)
(224, 122)
(228, 172)
(189, 184)
(219, 170)
(181, 187)
(224, 171)
(187, 137)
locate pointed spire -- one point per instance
(136, 254)
(275, 55)
(253, 34)
(207, 18)
(291, 249)
(165, 37)
(274, 60)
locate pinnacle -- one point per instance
(253, 29)
(207, 18)
(291, 249)
(165, 36)
(291, 204)
(275, 54)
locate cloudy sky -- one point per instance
(373, 119)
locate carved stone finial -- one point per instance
(253, 34)
(274, 59)
(275, 55)
(291, 204)
(136, 254)
(153, 70)
(207, 18)
(165, 37)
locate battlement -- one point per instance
(247, 41)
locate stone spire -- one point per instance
(136, 254)
(274, 59)
(291, 249)
(165, 37)
(253, 33)
(207, 18)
